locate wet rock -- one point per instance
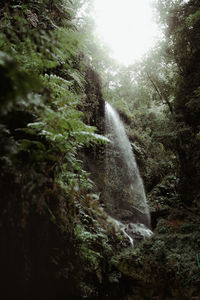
(138, 231)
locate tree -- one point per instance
(182, 26)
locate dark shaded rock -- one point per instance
(155, 215)
(93, 104)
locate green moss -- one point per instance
(166, 264)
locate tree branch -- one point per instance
(163, 98)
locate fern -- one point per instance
(40, 58)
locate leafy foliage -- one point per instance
(41, 135)
(51, 100)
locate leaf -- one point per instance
(37, 125)
(93, 136)
(26, 144)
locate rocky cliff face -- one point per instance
(93, 104)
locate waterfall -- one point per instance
(125, 197)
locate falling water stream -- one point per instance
(124, 189)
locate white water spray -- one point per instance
(125, 193)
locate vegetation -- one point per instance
(57, 241)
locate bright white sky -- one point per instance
(126, 26)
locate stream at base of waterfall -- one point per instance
(125, 199)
